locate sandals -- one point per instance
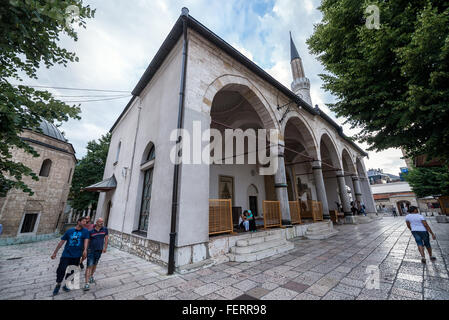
(423, 260)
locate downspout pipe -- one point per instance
(176, 178)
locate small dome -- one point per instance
(51, 130)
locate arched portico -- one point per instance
(330, 166)
(300, 154)
(367, 194)
(240, 106)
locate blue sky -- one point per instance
(121, 40)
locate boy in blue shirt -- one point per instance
(98, 244)
(76, 247)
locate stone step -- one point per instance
(319, 226)
(321, 236)
(363, 219)
(258, 247)
(260, 254)
(259, 238)
(319, 231)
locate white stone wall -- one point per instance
(242, 180)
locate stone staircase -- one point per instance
(320, 231)
(260, 245)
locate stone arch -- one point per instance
(360, 168)
(347, 163)
(329, 143)
(252, 190)
(248, 90)
(305, 130)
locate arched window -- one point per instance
(147, 169)
(45, 169)
(118, 152)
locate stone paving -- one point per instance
(332, 269)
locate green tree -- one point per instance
(88, 171)
(426, 182)
(391, 82)
(29, 35)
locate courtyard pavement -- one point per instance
(332, 269)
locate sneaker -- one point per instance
(86, 287)
(56, 290)
(91, 280)
(433, 258)
(65, 288)
(423, 260)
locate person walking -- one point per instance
(420, 231)
(98, 244)
(77, 240)
(394, 213)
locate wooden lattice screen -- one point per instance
(220, 216)
(272, 214)
(317, 210)
(444, 204)
(295, 212)
(306, 210)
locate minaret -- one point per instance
(300, 84)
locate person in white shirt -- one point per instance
(420, 231)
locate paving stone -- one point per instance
(295, 286)
(163, 294)
(207, 289)
(132, 293)
(245, 285)
(318, 290)
(309, 277)
(280, 294)
(106, 292)
(346, 289)
(408, 285)
(257, 292)
(190, 285)
(410, 277)
(188, 295)
(270, 285)
(335, 295)
(175, 281)
(407, 293)
(306, 296)
(430, 294)
(229, 293)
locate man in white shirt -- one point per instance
(420, 231)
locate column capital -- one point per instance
(339, 173)
(316, 165)
(354, 178)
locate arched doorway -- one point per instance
(349, 171)
(402, 207)
(300, 153)
(253, 202)
(237, 107)
(330, 163)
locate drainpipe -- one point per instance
(139, 108)
(176, 179)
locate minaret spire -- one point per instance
(300, 84)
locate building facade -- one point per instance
(218, 89)
(29, 218)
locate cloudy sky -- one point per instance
(121, 40)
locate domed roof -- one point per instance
(51, 130)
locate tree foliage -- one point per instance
(426, 182)
(29, 36)
(392, 82)
(88, 171)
